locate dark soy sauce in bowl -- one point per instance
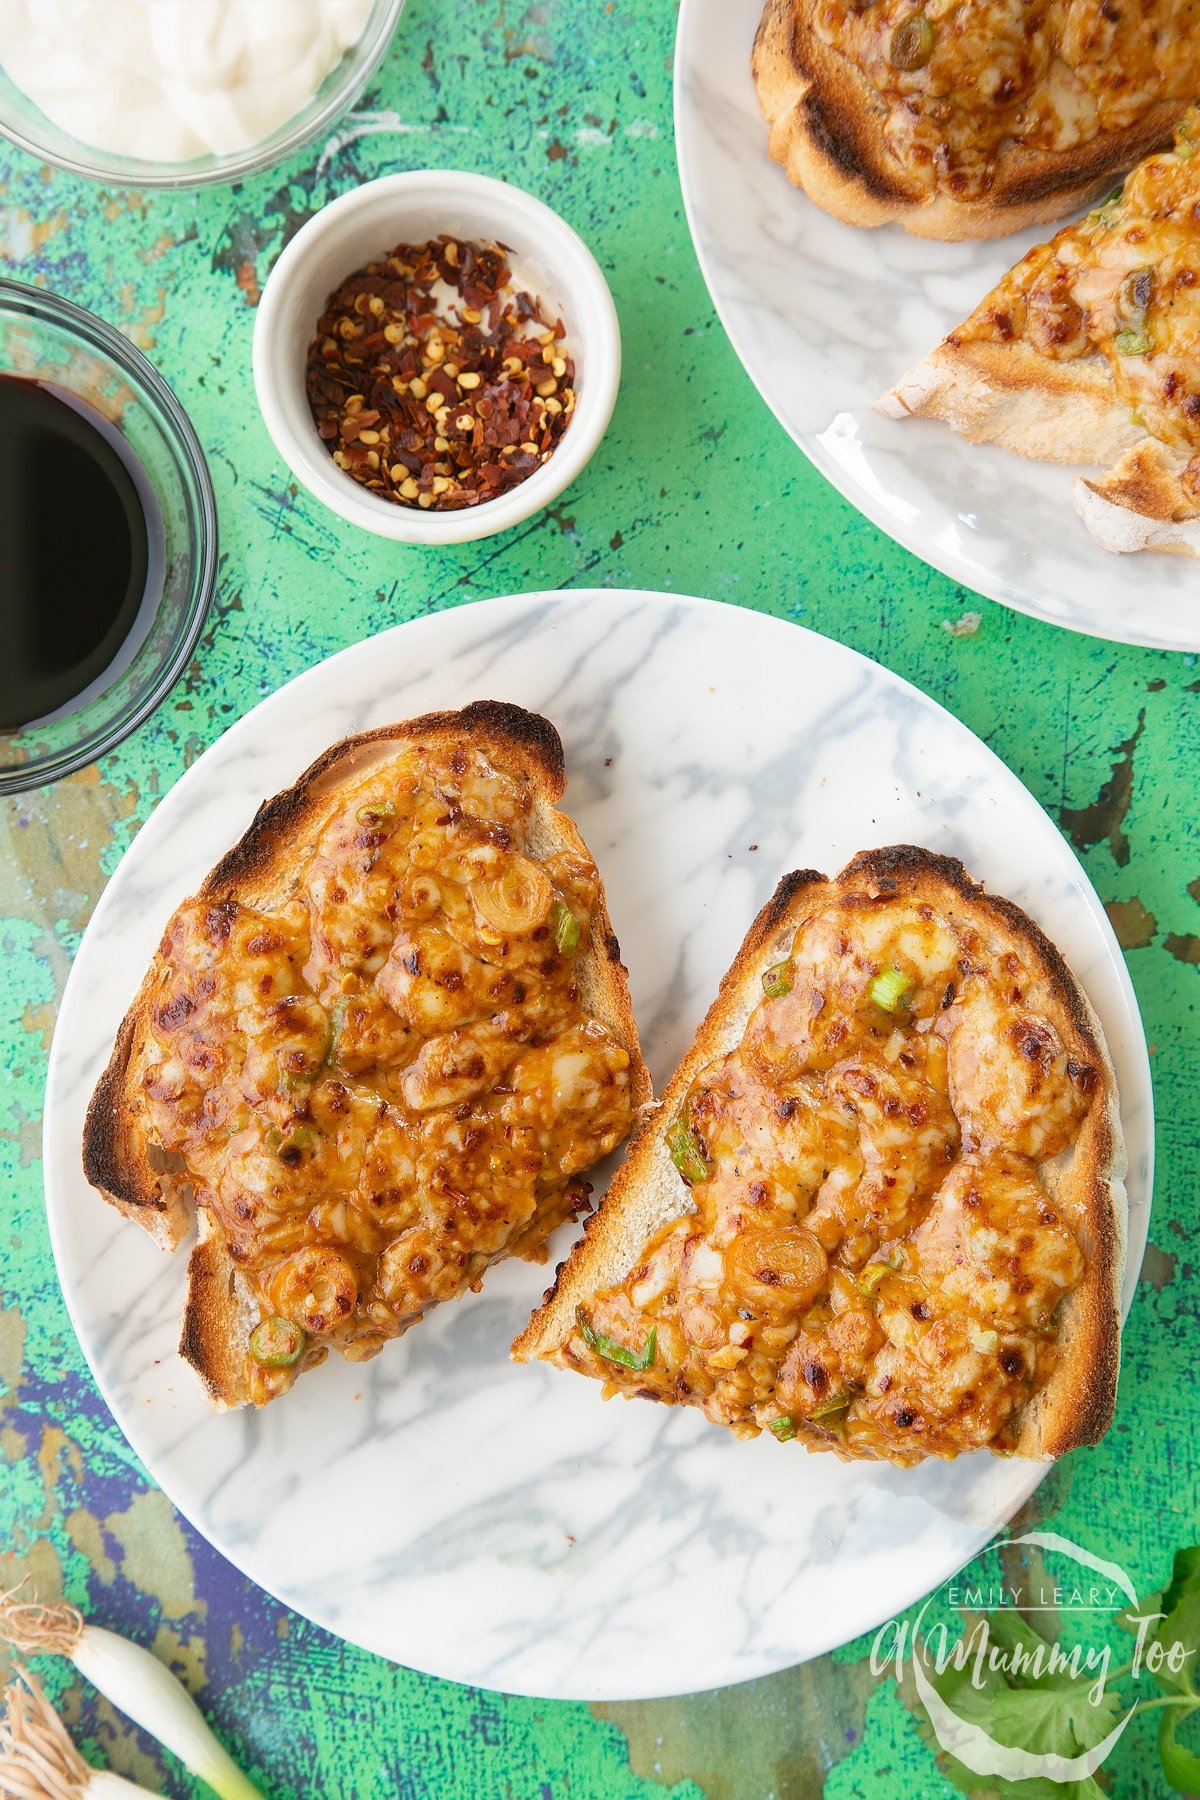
(79, 541)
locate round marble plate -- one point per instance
(502, 1525)
(826, 317)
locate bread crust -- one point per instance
(1076, 1405)
(827, 130)
(1009, 394)
(261, 870)
(1139, 504)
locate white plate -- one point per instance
(501, 1525)
(825, 317)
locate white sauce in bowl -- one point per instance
(170, 80)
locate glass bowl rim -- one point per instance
(210, 170)
(19, 297)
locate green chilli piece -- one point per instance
(784, 1429)
(611, 1350)
(777, 981)
(687, 1153)
(891, 990)
(277, 1343)
(1132, 343)
(566, 928)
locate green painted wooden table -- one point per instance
(695, 488)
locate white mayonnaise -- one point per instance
(169, 80)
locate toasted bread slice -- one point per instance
(633, 1242)
(1088, 351)
(875, 144)
(266, 879)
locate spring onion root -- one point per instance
(38, 1761)
(134, 1680)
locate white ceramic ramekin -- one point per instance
(361, 227)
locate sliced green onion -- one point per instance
(890, 991)
(566, 928)
(784, 1429)
(831, 1414)
(374, 816)
(298, 1139)
(912, 44)
(687, 1153)
(277, 1343)
(134, 1680)
(611, 1350)
(777, 981)
(874, 1273)
(1132, 343)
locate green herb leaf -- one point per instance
(1181, 1766)
(611, 1350)
(891, 990)
(1043, 1717)
(777, 981)
(565, 927)
(687, 1153)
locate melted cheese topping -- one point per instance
(871, 1263)
(964, 80)
(391, 1082)
(1124, 283)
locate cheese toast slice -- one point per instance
(376, 1052)
(969, 118)
(1088, 351)
(880, 1206)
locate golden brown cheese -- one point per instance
(380, 1090)
(965, 79)
(872, 1264)
(1124, 283)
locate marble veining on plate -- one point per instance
(502, 1525)
(826, 317)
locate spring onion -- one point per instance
(38, 1761)
(777, 981)
(912, 43)
(784, 1428)
(375, 818)
(1132, 343)
(891, 990)
(687, 1153)
(298, 1139)
(611, 1350)
(875, 1271)
(134, 1680)
(565, 927)
(277, 1343)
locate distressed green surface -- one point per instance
(695, 488)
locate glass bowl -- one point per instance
(26, 125)
(53, 341)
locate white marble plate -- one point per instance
(504, 1526)
(825, 317)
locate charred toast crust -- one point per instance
(827, 122)
(1077, 1405)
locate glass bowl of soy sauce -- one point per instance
(108, 538)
